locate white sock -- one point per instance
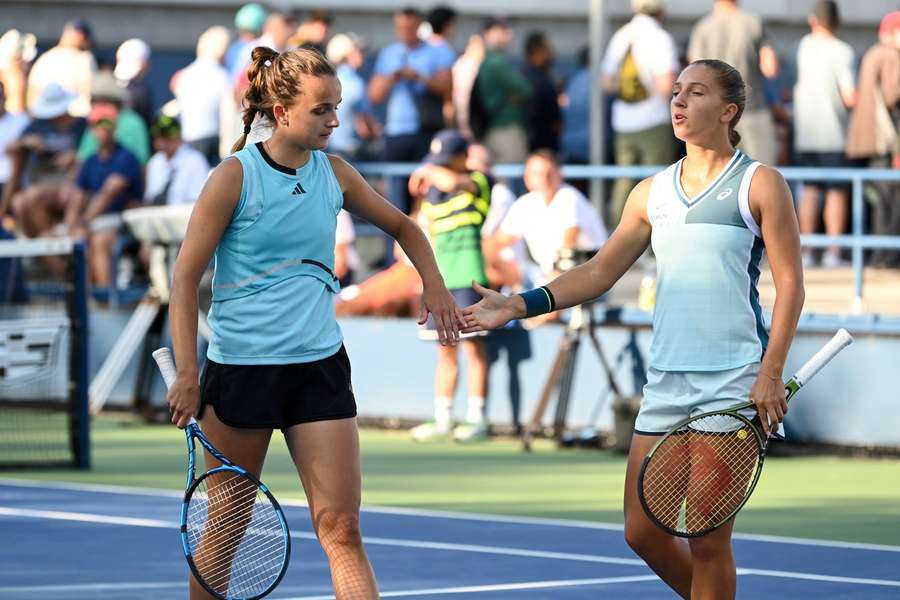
(475, 409)
(442, 406)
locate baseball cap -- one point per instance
(890, 22)
(446, 144)
(103, 111)
(165, 126)
(131, 57)
(53, 102)
(250, 17)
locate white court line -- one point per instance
(823, 578)
(155, 523)
(375, 541)
(416, 512)
(499, 587)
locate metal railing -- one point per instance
(857, 240)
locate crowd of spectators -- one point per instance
(834, 109)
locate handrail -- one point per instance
(857, 240)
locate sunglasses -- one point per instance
(104, 123)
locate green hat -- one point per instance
(250, 17)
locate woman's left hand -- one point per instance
(437, 300)
(768, 396)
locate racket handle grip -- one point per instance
(841, 340)
(163, 358)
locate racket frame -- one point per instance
(838, 342)
(163, 357)
(192, 432)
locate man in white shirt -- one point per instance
(639, 69)
(177, 172)
(553, 215)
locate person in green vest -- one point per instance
(131, 132)
(455, 202)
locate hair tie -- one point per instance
(268, 63)
(246, 130)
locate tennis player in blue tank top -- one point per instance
(276, 359)
(708, 218)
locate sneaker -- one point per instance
(832, 259)
(429, 431)
(470, 431)
(808, 260)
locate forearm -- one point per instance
(789, 297)
(183, 310)
(414, 243)
(97, 206)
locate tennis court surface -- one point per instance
(75, 542)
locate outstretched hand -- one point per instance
(447, 316)
(492, 311)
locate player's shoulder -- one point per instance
(767, 178)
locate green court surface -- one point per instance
(825, 497)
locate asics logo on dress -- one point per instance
(724, 194)
(298, 189)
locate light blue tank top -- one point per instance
(707, 315)
(273, 287)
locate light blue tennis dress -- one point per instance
(274, 284)
(708, 330)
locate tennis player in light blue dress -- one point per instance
(709, 218)
(276, 358)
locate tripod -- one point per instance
(562, 374)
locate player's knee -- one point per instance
(706, 549)
(339, 530)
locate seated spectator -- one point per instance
(108, 182)
(43, 159)
(17, 52)
(177, 172)
(131, 131)
(551, 216)
(354, 113)
(393, 292)
(11, 127)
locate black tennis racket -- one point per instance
(233, 531)
(703, 470)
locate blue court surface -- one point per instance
(73, 542)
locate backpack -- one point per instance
(631, 89)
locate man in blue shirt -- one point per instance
(413, 77)
(107, 183)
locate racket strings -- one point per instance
(699, 476)
(235, 535)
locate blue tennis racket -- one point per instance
(233, 531)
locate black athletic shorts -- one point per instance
(279, 396)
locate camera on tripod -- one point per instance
(569, 258)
